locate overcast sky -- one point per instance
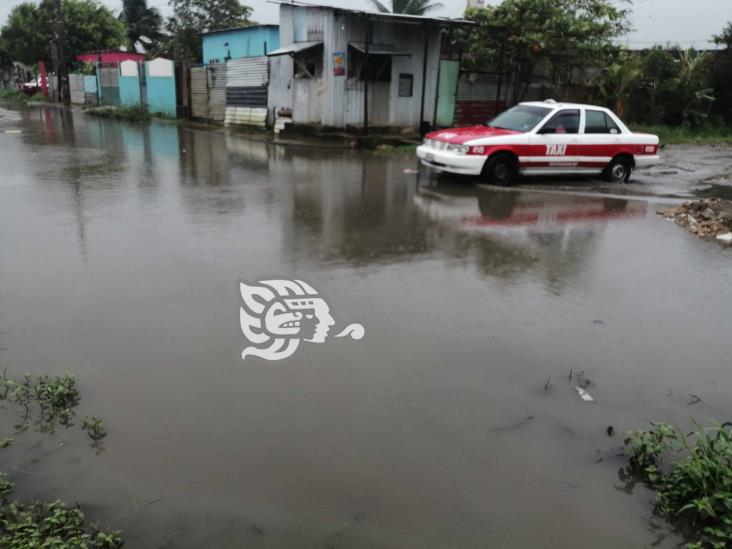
(683, 22)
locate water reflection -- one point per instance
(509, 231)
(331, 206)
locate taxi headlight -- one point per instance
(459, 149)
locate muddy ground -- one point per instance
(453, 423)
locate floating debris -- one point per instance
(581, 384)
(706, 217)
(584, 394)
(13, 131)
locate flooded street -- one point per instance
(453, 423)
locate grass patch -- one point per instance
(682, 135)
(692, 476)
(13, 96)
(40, 98)
(131, 114)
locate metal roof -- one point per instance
(243, 27)
(294, 48)
(377, 14)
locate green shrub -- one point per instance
(131, 114)
(13, 96)
(692, 474)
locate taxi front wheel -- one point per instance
(618, 170)
(500, 169)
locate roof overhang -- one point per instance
(379, 49)
(241, 28)
(292, 49)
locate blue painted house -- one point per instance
(221, 45)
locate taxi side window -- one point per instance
(599, 122)
(566, 121)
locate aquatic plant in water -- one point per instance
(55, 524)
(692, 476)
(47, 403)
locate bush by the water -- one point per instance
(13, 96)
(692, 475)
(131, 114)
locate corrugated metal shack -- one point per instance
(231, 86)
(326, 73)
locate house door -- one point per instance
(446, 91)
(379, 103)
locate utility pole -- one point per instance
(60, 61)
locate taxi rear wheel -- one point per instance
(618, 170)
(500, 169)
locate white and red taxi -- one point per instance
(542, 138)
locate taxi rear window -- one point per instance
(599, 122)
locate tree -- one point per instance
(694, 94)
(618, 80)
(725, 39)
(721, 73)
(192, 17)
(22, 37)
(30, 32)
(142, 25)
(655, 90)
(411, 7)
(563, 38)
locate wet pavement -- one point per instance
(451, 424)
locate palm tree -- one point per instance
(618, 81)
(142, 24)
(411, 7)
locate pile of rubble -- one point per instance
(705, 217)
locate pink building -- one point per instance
(110, 56)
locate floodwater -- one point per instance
(453, 423)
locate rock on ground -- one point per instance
(706, 217)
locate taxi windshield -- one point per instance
(520, 118)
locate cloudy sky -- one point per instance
(683, 22)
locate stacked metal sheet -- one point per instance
(246, 91)
(216, 91)
(199, 92)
